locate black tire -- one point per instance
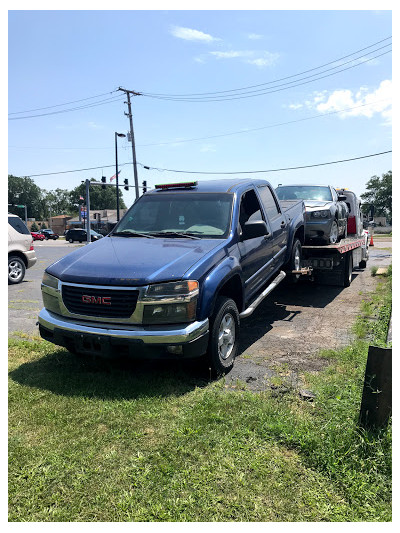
(362, 264)
(223, 346)
(80, 242)
(70, 241)
(16, 270)
(348, 269)
(295, 261)
(334, 234)
(46, 238)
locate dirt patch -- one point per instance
(283, 337)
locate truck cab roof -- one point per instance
(220, 185)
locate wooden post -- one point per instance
(376, 403)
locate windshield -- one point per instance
(200, 214)
(304, 192)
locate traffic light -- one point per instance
(126, 185)
(103, 180)
(144, 184)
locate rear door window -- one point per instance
(18, 225)
(269, 202)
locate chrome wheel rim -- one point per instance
(226, 336)
(333, 237)
(14, 270)
(297, 261)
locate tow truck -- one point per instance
(333, 264)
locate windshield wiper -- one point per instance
(127, 233)
(188, 235)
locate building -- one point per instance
(102, 219)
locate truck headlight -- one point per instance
(50, 281)
(321, 214)
(172, 302)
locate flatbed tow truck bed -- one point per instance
(333, 264)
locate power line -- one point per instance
(280, 79)
(264, 127)
(147, 167)
(60, 105)
(102, 102)
(264, 171)
(277, 88)
(249, 130)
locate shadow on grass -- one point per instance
(63, 373)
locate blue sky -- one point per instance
(60, 57)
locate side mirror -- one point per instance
(254, 229)
(341, 198)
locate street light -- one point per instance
(116, 168)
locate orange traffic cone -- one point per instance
(371, 242)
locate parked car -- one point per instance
(177, 275)
(37, 236)
(21, 254)
(49, 234)
(326, 211)
(80, 235)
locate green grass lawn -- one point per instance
(94, 441)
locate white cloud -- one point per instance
(253, 57)
(208, 148)
(189, 34)
(232, 53)
(379, 102)
(267, 60)
(366, 102)
(254, 36)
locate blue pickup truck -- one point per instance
(177, 274)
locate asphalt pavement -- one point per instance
(25, 300)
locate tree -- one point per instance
(379, 194)
(34, 227)
(57, 202)
(99, 198)
(23, 191)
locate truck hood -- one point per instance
(316, 204)
(131, 260)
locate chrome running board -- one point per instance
(249, 311)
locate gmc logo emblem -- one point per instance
(100, 300)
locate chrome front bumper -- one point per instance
(166, 334)
(113, 340)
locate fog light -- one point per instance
(177, 350)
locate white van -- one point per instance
(21, 254)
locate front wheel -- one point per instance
(70, 241)
(334, 233)
(224, 335)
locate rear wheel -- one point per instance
(295, 261)
(224, 334)
(16, 270)
(348, 269)
(362, 264)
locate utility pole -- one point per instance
(129, 114)
(88, 236)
